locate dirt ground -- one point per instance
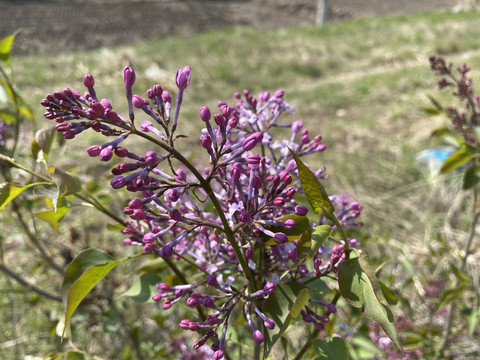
(59, 26)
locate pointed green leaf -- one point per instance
(67, 183)
(359, 287)
(302, 224)
(431, 111)
(472, 321)
(50, 192)
(53, 217)
(9, 191)
(43, 141)
(6, 48)
(281, 306)
(144, 288)
(314, 191)
(331, 349)
(86, 271)
(309, 245)
(390, 296)
(471, 178)
(458, 158)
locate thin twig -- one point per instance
(25, 283)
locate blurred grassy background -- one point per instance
(360, 84)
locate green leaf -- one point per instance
(331, 349)
(361, 289)
(431, 111)
(67, 183)
(471, 178)
(435, 103)
(390, 296)
(281, 306)
(144, 288)
(50, 192)
(53, 217)
(302, 224)
(6, 48)
(9, 191)
(472, 321)
(314, 191)
(458, 158)
(450, 296)
(83, 273)
(43, 141)
(7, 116)
(308, 245)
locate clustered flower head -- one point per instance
(234, 220)
(465, 120)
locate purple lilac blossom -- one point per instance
(252, 176)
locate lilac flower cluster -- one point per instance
(463, 121)
(234, 221)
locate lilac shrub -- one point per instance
(237, 221)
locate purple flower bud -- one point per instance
(111, 115)
(269, 324)
(252, 140)
(157, 90)
(128, 76)
(253, 161)
(287, 179)
(332, 308)
(280, 238)
(279, 94)
(249, 253)
(258, 336)
(226, 110)
(206, 141)
(97, 107)
(167, 304)
(94, 150)
(192, 302)
(218, 355)
(301, 210)
(269, 288)
(118, 182)
(163, 287)
(167, 250)
(244, 217)
(289, 224)
(144, 126)
(138, 102)
(184, 324)
(88, 81)
(256, 182)
(321, 147)
(290, 192)
(166, 96)
(138, 214)
(106, 154)
(297, 126)
(219, 119)
(212, 280)
(205, 113)
(232, 122)
(135, 203)
(181, 176)
(148, 249)
(182, 78)
(149, 238)
(175, 215)
(279, 201)
(151, 157)
(121, 152)
(157, 297)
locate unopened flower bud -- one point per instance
(279, 201)
(182, 77)
(88, 81)
(258, 336)
(252, 140)
(128, 76)
(205, 113)
(301, 210)
(138, 101)
(118, 182)
(192, 302)
(289, 224)
(166, 96)
(106, 154)
(94, 150)
(280, 238)
(157, 297)
(219, 119)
